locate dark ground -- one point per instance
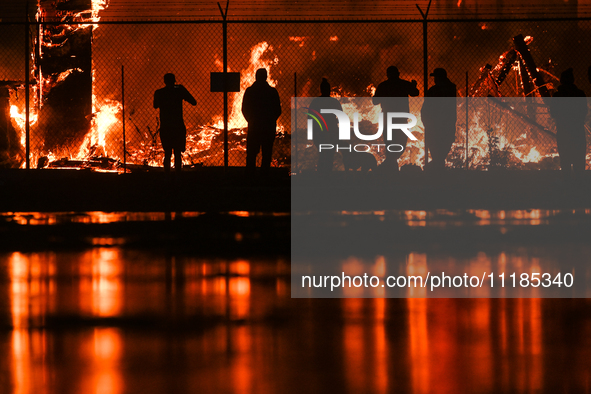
(213, 190)
(204, 190)
(144, 306)
(457, 189)
(265, 227)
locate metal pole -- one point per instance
(225, 94)
(294, 133)
(27, 98)
(467, 125)
(425, 65)
(425, 81)
(225, 50)
(38, 68)
(123, 118)
(425, 59)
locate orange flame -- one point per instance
(300, 40)
(247, 78)
(532, 157)
(107, 115)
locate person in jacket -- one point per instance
(261, 108)
(173, 133)
(439, 117)
(392, 95)
(569, 109)
(331, 134)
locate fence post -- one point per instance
(425, 66)
(123, 118)
(467, 125)
(27, 104)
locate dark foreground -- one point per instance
(205, 190)
(455, 189)
(113, 320)
(215, 190)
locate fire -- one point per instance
(91, 15)
(301, 40)
(107, 115)
(532, 157)
(236, 120)
(20, 120)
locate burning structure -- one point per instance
(62, 113)
(537, 141)
(11, 154)
(78, 100)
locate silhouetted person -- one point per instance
(400, 89)
(261, 108)
(331, 134)
(173, 133)
(439, 118)
(569, 115)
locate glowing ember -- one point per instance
(91, 15)
(532, 157)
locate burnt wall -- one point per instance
(65, 69)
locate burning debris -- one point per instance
(205, 142)
(76, 123)
(64, 67)
(65, 113)
(529, 118)
(531, 81)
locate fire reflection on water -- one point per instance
(101, 287)
(365, 345)
(375, 345)
(104, 350)
(419, 345)
(32, 285)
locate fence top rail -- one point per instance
(296, 21)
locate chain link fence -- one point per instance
(522, 137)
(83, 78)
